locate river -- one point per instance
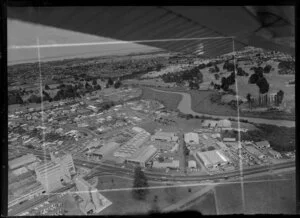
(185, 106)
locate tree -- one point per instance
(140, 184)
(97, 87)
(280, 95)
(224, 84)
(117, 84)
(110, 82)
(267, 69)
(253, 78)
(263, 85)
(249, 99)
(94, 82)
(47, 87)
(217, 76)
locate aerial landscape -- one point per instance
(152, 131)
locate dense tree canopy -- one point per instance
(140, 184)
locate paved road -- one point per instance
(163, 176)
(185, 106)
(102, 169)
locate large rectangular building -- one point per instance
(130, 147)
(142, 156)
(255, 152)
(174, 164)
(50, 175)
(106, 149)
(93, 202)
(21, 161)
(66, 162)
(165, 136)
(212, 159)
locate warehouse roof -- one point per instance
(106, 148)
(191, 137)
(263, 144)
(212, 157)
(143, 154)
(171, 164)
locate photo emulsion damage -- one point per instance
(126, 110)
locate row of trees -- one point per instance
(65, 91)
(193, 74)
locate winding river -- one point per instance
(185, 106)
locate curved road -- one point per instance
(185, 106)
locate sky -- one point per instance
(20, 33)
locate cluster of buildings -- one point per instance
(92, 202)
(30, 177)
(213, 151)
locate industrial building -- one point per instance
(262, 144)
(192, 164)
(255, 152)
(224, 123)
(21, 161)
(66, 162)
(274, 154)
(130, 147)
(214, 124)
(212, 159)
(210, 123)
(174, 164)
(142, 156)
(105, 149)
(93, 202)
(191, 138)
(229, 139)
(222, 145)
(51, 175)
(165, 136)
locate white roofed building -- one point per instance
(165, 136)
(142, 156)
(50, 175)
(212, 159)
(106, 149)
(262, 144)
(192, 164)
(255, 152)
(191, 138)
(224, 123)
(130, 147)
(274, 154)
(174, 164)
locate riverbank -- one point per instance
(185, 106)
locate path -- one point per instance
(180, 204)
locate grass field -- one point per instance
(266, 197)
(206, 205)
(124, 204)
(171, 101)
(201, 103)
